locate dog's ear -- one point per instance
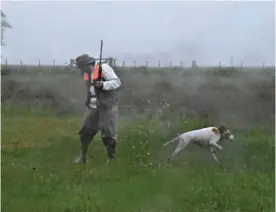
(222, 129)
(215, 130)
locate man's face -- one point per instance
(85, 68)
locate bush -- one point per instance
(5, 71)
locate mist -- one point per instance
(208, 32)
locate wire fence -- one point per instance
(133, 64)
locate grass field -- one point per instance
(39, 145)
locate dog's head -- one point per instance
(225, 133)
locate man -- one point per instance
(102, 109)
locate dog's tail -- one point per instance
(173, 140)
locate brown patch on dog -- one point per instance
(215, 130)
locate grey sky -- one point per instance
(206, 31)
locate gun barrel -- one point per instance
(100, 63)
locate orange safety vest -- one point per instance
(95, 74)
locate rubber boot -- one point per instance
(82, 156)
(111, 149)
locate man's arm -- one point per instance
(112, 81)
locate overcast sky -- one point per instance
(208, 32)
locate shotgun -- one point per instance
(100, 63)
(100, 70)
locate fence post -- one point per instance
(241, 65)
(158, 63)
(219, 65)
(181, 64)
(123, 63)
(146, 63)
(232, 62)
(114, 62)
(21, 64)
(194, 65)
(39, 63)
(263, 64)
(170, 64)
(54, 62)
(110, 61)
(134, 64)
(6, 62)
(71, 62)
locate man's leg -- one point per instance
(108, 123)
(87, 132)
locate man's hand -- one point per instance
(98, 84)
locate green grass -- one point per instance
(38, 175)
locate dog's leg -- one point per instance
(215, 157)
(180, 146)
(216, 145)
(213, 152)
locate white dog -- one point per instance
(206, 138)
